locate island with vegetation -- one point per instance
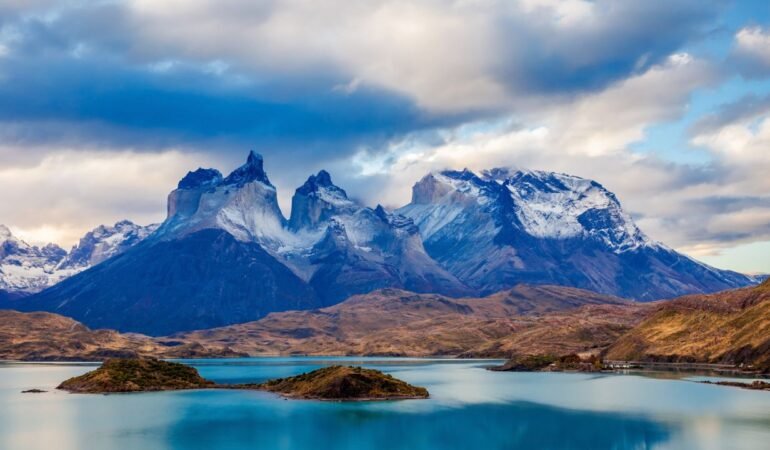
(345, 383)
(137, 375)
(328, 383)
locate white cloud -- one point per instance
(569, 136)
(685, 206)
(68, 192)
(752, 49)
(456, 55)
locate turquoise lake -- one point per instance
(469, 408)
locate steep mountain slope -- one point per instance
(26, 269)
(728, 327)
(42, 336)
(504, 227)
(361, 249)
(395, 322)
(202, 280)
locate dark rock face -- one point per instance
(253, 170)
(204, 280)
(200, 178)
(6, 296)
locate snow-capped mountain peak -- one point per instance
(227, 254)
(505, 226)
(28, 268)
(545, 205)
(560, 206)
(25, 267)
(244, 204)
(5, 233)
(104, 242)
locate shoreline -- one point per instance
(618, 367)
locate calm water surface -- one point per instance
(470, 408)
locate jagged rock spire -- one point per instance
(253, 170)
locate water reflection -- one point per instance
(346, 426)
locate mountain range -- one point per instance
(226, 254)
(25, 269)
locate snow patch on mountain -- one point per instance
(104, 242)
(546, 206)
(560, 206)
(502, 227)
(28, 268)
(25, 267)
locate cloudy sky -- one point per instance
(104, 105)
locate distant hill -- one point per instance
(539, 319)
(728, 327)
(40, 336)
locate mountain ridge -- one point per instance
(500, 227)
(464, 234)
(26, 269)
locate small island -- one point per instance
(329, 383)
(754, 386)
(136, 375)
(345, 383)
(550, 363)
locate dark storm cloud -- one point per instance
(623, 38)
(79, 74)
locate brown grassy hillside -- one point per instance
(41, 336)
(728, 327)
(395, 322)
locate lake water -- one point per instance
(469, 408)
